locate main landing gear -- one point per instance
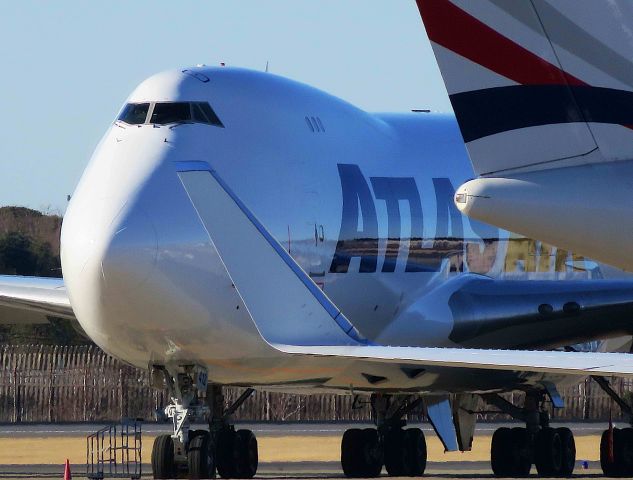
(514, 450)
(616, 452)
(616, 445)
(402, 451)
(552, 450)
(200, 453)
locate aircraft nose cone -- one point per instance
(130, 255)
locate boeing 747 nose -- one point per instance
(144, 278)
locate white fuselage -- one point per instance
(149, 287)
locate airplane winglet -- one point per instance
(287, 308)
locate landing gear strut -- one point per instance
(513, 450)
(200, 453)
(401, 451)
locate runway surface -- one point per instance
(303, 470)
(308, 451)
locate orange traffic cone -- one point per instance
(67, 475)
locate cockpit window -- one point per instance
(134, 113)
(205, 114)
(164, 113)
(173, 112)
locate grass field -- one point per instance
(55, 450)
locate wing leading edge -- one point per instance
(295, 317)
(32, 299)
(573, 363)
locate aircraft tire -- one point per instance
(500, 452)
(351, 452)
(394, 453)
(609, 468)
(200, 457)
(195, 433)
(415, 452)
(624, 452)
(163, 457)
(373, 456)
(519, 449)
(548, 453)
(246, 454)
(568, 451)
(225, 460)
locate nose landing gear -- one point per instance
(200, 453)
(163, 457)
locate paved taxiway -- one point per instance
(286, 451)
(304, 470)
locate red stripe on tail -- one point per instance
(460, 32)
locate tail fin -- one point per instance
(537, 83)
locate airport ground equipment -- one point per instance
(115, 451)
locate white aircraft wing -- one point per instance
(294, 316)
(537, 83)
(32, 299)
(578, 363)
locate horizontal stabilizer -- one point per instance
(294, 316)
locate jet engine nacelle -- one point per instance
(478, 311)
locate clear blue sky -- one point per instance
(67, 66)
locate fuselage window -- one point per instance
(173, 112)
(134, 113)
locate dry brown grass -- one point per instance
(55, 450)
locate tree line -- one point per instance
(22, 255)
(29, 246)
